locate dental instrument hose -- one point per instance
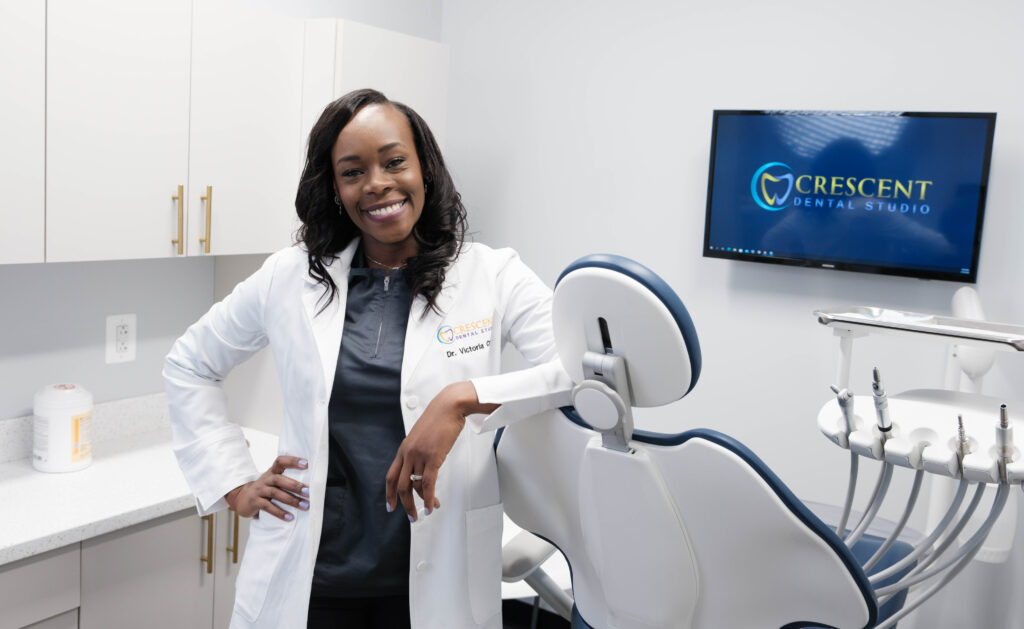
(918, 575)
(844, 398)
(913, 576)
(884, 427)
(930, 558)
(997, 507)
(876, 502)
(915, 490)
(927, 542)
(850, 489)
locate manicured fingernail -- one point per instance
(305, 491)
(387, 505)
(426, 512)
(304, 504)
(412, 519)
(303, 462)
(289, 517)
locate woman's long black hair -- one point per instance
(326, 228)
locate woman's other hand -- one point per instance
(427, 445)
(259, 495)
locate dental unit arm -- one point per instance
(965, 437)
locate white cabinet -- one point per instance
(117, 95)
(146, 97)
(147, 576)
(182, 120)
(157, 575)
(231, 532)
(245, 136)
(22, 131)
(37, 589)
(406, 69)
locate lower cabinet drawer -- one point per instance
(40, 587)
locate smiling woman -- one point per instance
(379, 183)
(387, 331)
(367, 153)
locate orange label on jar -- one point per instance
(81, 441)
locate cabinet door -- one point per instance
(39, 587)
(245, 115)
(149, 576)
(117, 83)
(229, 537)
(22, 135)
(407, 69)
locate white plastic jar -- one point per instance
(62, 428)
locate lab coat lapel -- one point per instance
(422, 329)
(327, 325)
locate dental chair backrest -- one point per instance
(687, 530)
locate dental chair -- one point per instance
(687, 530)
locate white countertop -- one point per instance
(131, 480)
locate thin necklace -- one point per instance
(386, 266)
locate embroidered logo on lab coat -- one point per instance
(448, 334)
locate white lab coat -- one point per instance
(490, 297)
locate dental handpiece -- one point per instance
(845, 399)
(881, 405)
(1004, 441)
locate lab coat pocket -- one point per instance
(483, 544)
(264, 552)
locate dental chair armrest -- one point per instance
(523, 554)
(514, 410)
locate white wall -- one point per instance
(578, 129)
(585, 127)
(53, 324)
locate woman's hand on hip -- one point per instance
(271, 490)
(425, 448)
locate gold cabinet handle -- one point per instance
(180, 240)
(233, 547)
(209, 212)
(208, 557)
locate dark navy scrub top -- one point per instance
(364, 550)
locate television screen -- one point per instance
(901, 193)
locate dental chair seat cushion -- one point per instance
(864, 550)
(688, 531)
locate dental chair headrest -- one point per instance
(610, 304)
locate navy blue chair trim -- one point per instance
(788, 498)
(577, 620)
(652, 282)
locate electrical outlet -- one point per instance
(121, 338)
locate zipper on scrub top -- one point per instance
(383, 311)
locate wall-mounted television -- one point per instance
(900, 193)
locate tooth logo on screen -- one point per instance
(772, 185)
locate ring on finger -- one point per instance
(415, 477)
